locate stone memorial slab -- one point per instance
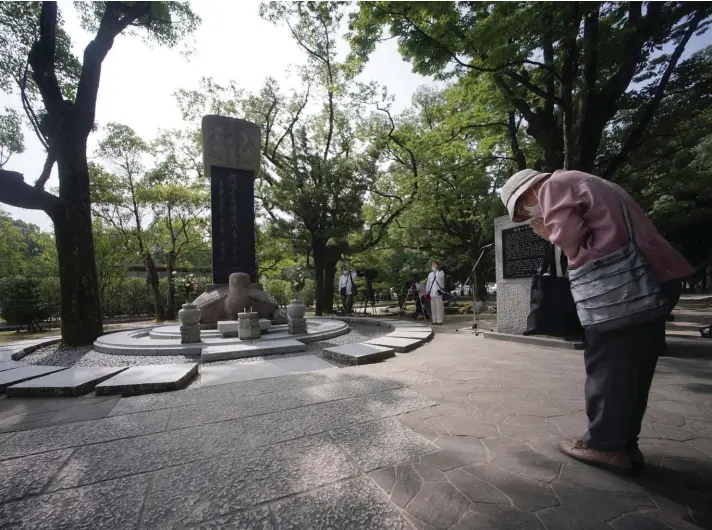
(411, 334)
(518, 255)
(398, 344)
(69, 382)
(251, 349)
(18, 375)
(148, 379)
(231, 155)
(359, 353)
(523, 252)
(10, 365)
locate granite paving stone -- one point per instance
(359, 353)
(278, 384)
(212, 394)
(355, 503)
(17, 375)
(149, 379)
(496, 517)
(279, 426)
(19, 414)
(398, 344)
(299, 450)
(188, 494)
(30, 474)
(257, 519)
(381, 443)
(524, 493)
(82, 433)
(438, 504)
(600, 504)
(10, 365)
(119, 458)
(69, 382)
(114, 505)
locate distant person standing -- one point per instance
(347, 288)
(434, 290)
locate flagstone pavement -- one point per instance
(459, 434)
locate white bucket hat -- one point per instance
(516, 186)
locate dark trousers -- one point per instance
(620, 366)
(348, 301)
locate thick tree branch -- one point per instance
(14, 191)
(112, 23)
(42, 59)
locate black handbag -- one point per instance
(552, 309)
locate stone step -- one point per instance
(359, 353)
(551, 342)
(149, 379)
(406, 333)
(252, 349)
(18, 375)
(400, 345)
(71, 382)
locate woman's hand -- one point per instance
(537, 225)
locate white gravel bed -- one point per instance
(86, 356)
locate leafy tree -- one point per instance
(179, 198)
(112, 261)
(120, 198)
(65, 125)
(21, 302)
(11, 137)
(564, 68)
(13, 249)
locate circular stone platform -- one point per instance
(165, 340)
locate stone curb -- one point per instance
(551, 342)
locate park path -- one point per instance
(459, 434)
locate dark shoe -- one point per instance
(615, 461)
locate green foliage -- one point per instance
(281, 290)
(13, 249)
(22, 302)
(11, 136)
(18, 32)
(563, 67)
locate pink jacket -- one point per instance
(585, 219)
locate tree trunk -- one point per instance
(154, 285)
(80, 305)
(319, 287)
(329, 276)
(171, 296)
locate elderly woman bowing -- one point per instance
(625, 279)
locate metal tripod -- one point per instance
(474, 327)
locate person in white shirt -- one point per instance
(347, 288)
(434, 288)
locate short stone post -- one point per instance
(297, 324)
(189, 317)
(248, 326)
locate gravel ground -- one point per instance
(85, 356)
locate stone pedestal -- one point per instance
(248, 326)
(189, 317)
(297, 326)
(519, 254)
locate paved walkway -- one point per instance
(459, 434)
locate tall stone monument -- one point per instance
(231, 158)
(519, 254)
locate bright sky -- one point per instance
(233, 42)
